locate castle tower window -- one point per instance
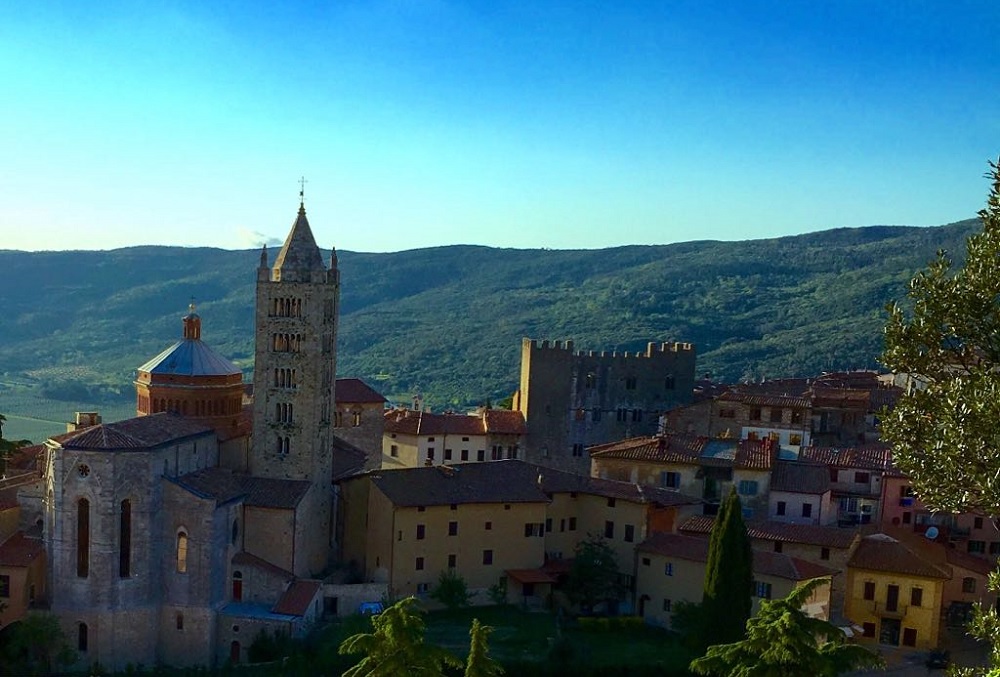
(83, 538)
(81, 637)
(630, 383)
(237, 586)
(182, 552)
(180, 621)
(125, 540)
(668, 383)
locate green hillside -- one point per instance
(448, 321)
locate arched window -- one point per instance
(180, 621)
(81, 637)
(182, 552)
(237, 586)
(284, 449)
(83, 538)
(125, 539)
(234, 652)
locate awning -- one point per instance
(529, 576)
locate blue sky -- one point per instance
(523, 124)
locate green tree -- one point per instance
(943, 431)
(593, 576)
(782, 641)
(451, 590)
(479, 663)
(396, 646)
(35, 645)
(8, 447)
(728, 574)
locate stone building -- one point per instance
(572, 400)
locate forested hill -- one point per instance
(448, 321)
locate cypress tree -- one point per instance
(728, 576)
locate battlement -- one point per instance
(652, 349)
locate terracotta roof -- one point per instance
(963, 560)
(509, 481)
(504, 422)
(20, 551)
(245, 559)
(883, 553)
(26, 458)
(560, 482)
(219, 484)
(669, 448)
(810, 534)
(877, 457)
(408, 422)
(296, 599)
(695, 549)
(764, 399)
(141, 432)
(755, 454)
(356, 391)
(265, 492)
(531, 576)
(800, 477)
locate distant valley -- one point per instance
(447, 322)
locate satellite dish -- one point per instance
(931, 533)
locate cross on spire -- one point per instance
(302, 190)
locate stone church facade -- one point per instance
(175, 536)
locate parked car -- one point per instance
(938, 658)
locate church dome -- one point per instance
(190, 356)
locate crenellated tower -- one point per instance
(294, 373)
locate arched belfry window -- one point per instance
(82, 640)
(182, 552)
(125, 540)
(237, 586)
(83, 538)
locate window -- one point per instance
(447, 454)
(977, 547)
(916, 596)
(868, 629)
(752, 435)
(453, 506)
(667, 605)
(636, 415)
(453, 528)
(629, 533)
(533, 529)
(670, 480)
(180, 621)
(419, 564)
(83, 538)
(796, 416)
(755, 414)
(869, 592)
(780, 509)
(595, 415)
(497, 452)
(489, 526)
(824, 553)
(182, 552)
(630, 383)
(609, 529)
(977, 523)
(748, 487)
(762, 589)
(548, 525)
(81, 637)
(909, 636)
(487, 557)
(795, 439)
(807, 509)
(645, 561)
(668, 383)
(969, 584)
(572, 524)
(590, 380)
(611, 502)
(452, 561)
(430, 453)
(775, 415)
(861, 478)
(727, 413)
(423, 587)
(668, 569)
(465, 454)
(621, 414)
(481, 455)
(562, 524)
(237, 586)
(421, 508)
(994, 547)
(356, 419)
(778, 546)
(421, 529)
(578, 450)
(125, 539)
(5, 587)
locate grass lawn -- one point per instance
(521, 637)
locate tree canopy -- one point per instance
(783, 641)
(946, 337)
(593, 576)
(479, 663)
(728, 575)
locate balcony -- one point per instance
(883, 609)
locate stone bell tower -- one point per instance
(294, 373)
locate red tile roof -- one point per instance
(408, 422)
(810, 534)
(219, 484)
(224, 485)
(669, 448)
(879, 552)
(560, 482)
(296, 599)
(531, 576)
(504, 422)
(245, 559)
(20, 551)
(356, 391)
(800, 477)
(507, 481)
(755, 454)
(876, 457)
(765, 400)
(266, 492)
(963, 560)
(695, 549)
(141, 432)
